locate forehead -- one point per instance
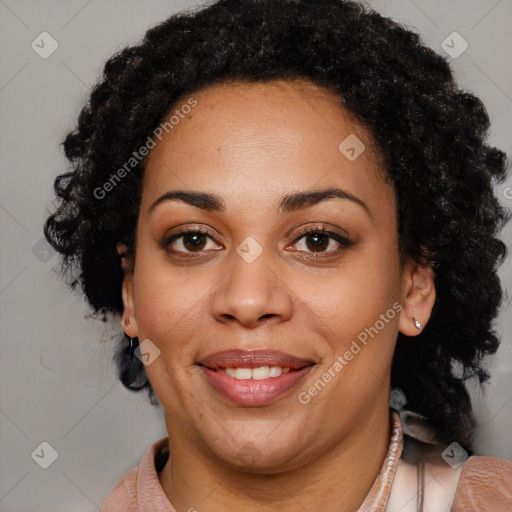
(263, 140)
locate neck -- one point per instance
(337, 480)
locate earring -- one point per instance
(134, 343)
(417, 323)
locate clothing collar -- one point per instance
(377, 499)
(151, 496)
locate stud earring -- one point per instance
(417, 323)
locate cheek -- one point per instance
(167, 302)
(357, 314)
(352, 298)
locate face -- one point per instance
(266, 266)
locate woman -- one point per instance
(290, 207)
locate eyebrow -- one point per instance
(288, 203)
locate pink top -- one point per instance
(485, 483)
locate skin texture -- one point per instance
(253, 144)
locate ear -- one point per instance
(128, 318)
(419, 295)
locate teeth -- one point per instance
(263, 372)
(242, 373)
(260, 373)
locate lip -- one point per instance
(253, 359)
(254, 393)
(250, 392)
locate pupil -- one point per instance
(199, 241)
(320, 241)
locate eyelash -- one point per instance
(342, 240)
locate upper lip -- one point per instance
(253, 359)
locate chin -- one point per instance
(251, 457)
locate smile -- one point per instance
(253, 387)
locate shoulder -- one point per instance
(485, 483)
(139, 488)
(123, 496)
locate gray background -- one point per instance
(57, 381)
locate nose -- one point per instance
(252, 294)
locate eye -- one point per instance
(189, 241)
(316, 241)
(320, 240)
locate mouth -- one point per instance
(256, 373)
(253, 359)
(254, 378)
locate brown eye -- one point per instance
(194, 241)
(317, 241)
(320, 240)
(188, 241)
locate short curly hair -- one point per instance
(430, 132)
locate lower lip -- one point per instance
(250, 392)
